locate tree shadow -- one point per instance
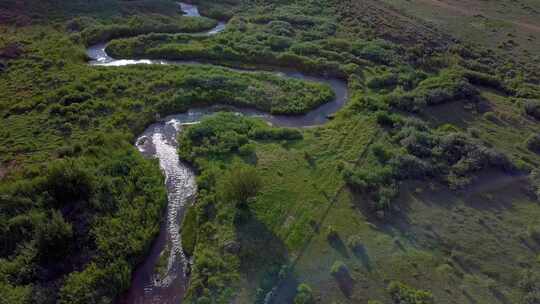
(360, 252)
(394, 222)
(495, 190)
(337, 243)
(499, 296)
(459, 113)
(263, 259)
(345, 282)
(251, 158)
(469, 297)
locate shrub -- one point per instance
(534, 233)
(241, 183)
(410, 167)
(403, 294)
(275, 134)
(246, 150)
(279, 43)
(339, 269)
(66, 181)
(482, 79)
(53, 237)
(381, 153)
(385, 119)
(189, 231)
(332, 234)
(304, 294)
(354, 242)
(280, 28)
(532, 108)
(534, 179)
(384, 81)
(306, 49)
(385, 196)
(378, 51)
(533, 143)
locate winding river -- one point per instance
(168, 285)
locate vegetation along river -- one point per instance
(159, 140)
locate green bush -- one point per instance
(144, 24)
(339, 269)
(354, 242)
(68, 182)
(378, 51)
(532, 108)
(448, 86)
(54, 237)
(189, 231)
(403, 294)
(385, 80)
(275, 134)
(304, 294)
(483, 79)
(241, 183)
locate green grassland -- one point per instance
(422, 189)
(72, 183)
(505, 26)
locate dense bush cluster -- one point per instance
(87, 219)
(275, 38)
(91, 31)
(416, 151)
(225, 134)
(304, 295)
(448, 86)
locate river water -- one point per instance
(168, 285)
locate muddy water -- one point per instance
(167, 283)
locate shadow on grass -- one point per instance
(394, 222)
(360, 253)
(337, 243)
(263, 260)
(469, 297)
(499, 296)
(345, 282)
(459, 113)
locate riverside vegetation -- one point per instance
(422, 189)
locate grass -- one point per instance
(486, 24)
(48, 119)
(462, 246)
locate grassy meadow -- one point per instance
(423, 189)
